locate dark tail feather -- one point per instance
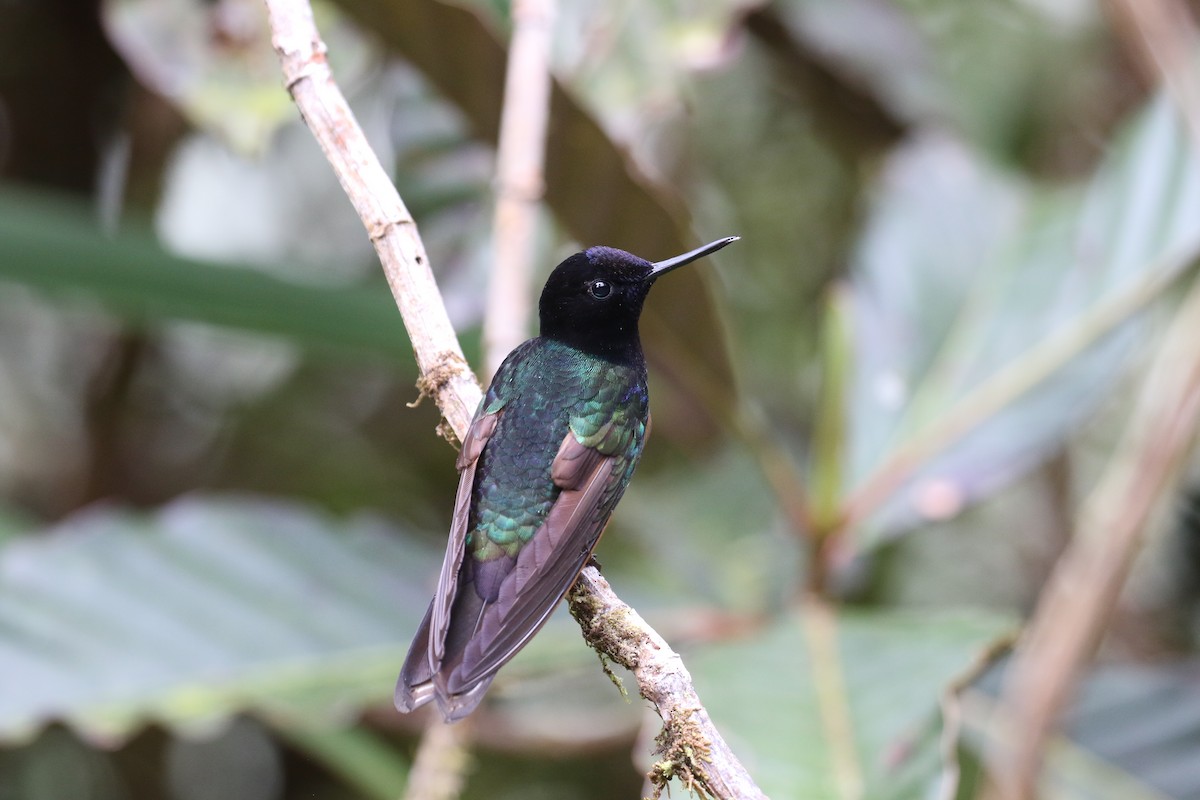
(456, 706)
(415, 686)
(455, 699)
(418, 683)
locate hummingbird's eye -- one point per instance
(599, 289)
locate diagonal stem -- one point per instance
(519, 184)
(691, 747)
(445, 374)
(833, 698)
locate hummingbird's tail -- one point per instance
(419, 683)
(415, 685)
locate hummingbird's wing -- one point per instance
(548, 565)
(415, 687)
(464, 640)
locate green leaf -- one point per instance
(203, 610)
(53, 245)
(991, 316)
(827, 705)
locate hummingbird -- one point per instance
(547, 456)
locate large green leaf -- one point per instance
(829, 705)
(54, 245)
(849, 705)
(204, 609)
(991, 316)
(212, 607)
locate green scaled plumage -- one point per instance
(548, 455)
(545, 387)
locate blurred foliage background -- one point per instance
(965, 224)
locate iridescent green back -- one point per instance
(545, 387)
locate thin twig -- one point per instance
(445, 375)
(819, 623)
(520, 154)
(951, 706)
(440, 762)
(1081, 593)
(710, 765)
(690, 746)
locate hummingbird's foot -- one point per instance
(594, 562)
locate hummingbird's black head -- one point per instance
(593, 300)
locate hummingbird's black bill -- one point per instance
(660, 267)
